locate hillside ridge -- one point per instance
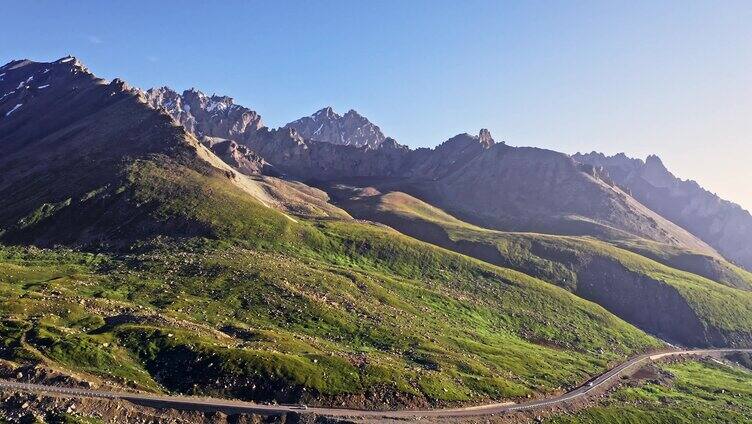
(722, 224)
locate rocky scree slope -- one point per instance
(720, 223)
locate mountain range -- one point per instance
(170, 241)
(722, 224)
(515, 189)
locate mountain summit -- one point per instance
(214, 116)
(350, 129)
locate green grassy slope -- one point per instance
(161, 319)
(198, 287)
(640, 290)
(270, 308)
(709, 267)
(397, 205)
(699, 392)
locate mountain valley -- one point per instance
(172, 243)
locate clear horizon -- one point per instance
(672, 79)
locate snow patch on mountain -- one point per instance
(15, 108)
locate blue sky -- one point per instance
(671, 78)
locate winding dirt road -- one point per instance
(232, 406)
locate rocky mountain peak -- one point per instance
(464, 141)
(165, 97)
(654, 160)
(25, 84)
(66, 59)
(213, 103)
(14, 64)
(352, 113)
(325, 113)
(72, 64)
(656, 172)
(164, 91)
(212, 116)
(459, 141)
(29, 65)
(350, 129)
(121, 86)
(390, 143)
(484, 137)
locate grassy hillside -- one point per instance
(691, 392)
(178, 276)
(712, 268)
(268, 307)
(642, 291)
(164, 318)
(397, 205)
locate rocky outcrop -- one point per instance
(720, 223)
(350, 129)
(450, 156)
(213, 116)
(239, 156)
